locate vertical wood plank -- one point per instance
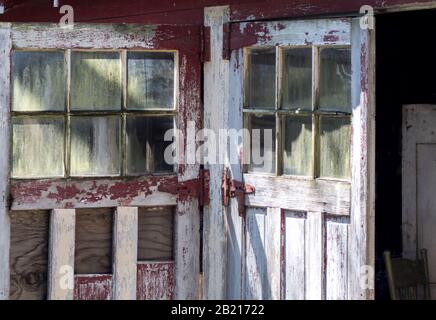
(294, 256)
(5, 49)
(315, 256)
(216, 78)
(61, 254)
(125, 253)
(336, 260)
(273, 250)
(155, 281)
(362, 224)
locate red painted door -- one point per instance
(91, 110)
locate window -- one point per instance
(303, 95)
(79, 113)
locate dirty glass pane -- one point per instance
(263, 132)
(298, 152)
(150, 80)
(95, 146)
(297, 79)
(335, 143)
(261, 79)
(38, 147)
(38, 81)
(145, 139)
(95, 81)
(335, 79)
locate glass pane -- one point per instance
(95, 81)
(263, 132)
(335, 79)
(145, 138)
(298, 154)
(150, 80)
(297, 79)
(335, 147)
(261, 82)
(95, 146)
(38, 147)
(38, 81)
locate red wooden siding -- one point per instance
(155, 281)
(93, 287)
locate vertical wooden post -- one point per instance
(61, 254)
(216, 75)
(362, 225)
(125, 253)
(5, 63)
(315, 287)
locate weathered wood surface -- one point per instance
(299, 195)
(61, 254)
(155, 234)
(5, 48)
(93, 245)
(125, 246)
(93, 287)
(93, 193)
(155, 281)
(314, 258)
(29, 255)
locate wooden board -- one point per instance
(155, 234)
(155, 281)
(93, 254)
(29, 255)
(93, 287)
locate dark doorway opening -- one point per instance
(406, 74)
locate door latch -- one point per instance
(237, 190)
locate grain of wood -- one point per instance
(93, 250)
(155, 281)
(155, 234)
(29, 255)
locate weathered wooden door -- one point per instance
(303, 92)
(85, 113)
(419, 183)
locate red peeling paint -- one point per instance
(252, 33)
(93, 287)
(155, 281)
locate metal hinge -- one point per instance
(237, 190)
(205, 44)
(195, 188)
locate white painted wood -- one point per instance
(294, 234)
(314, 262)
(5, 48)
(332, 197)
(301, 32)
(216, 78)
(419, 181)
(61, 254)
(273, 253)
(125, 244)
(362, 221)
(337, 259)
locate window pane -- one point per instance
(95, 81)
(263, 132)
(145, 139)
(335, 79)
(335, 147)
(95, 146)
(297, 79)
(298, 152)
(150, 80)
(38, 147)
(38, 81)
(261, 82)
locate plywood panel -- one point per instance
(93, 253)
(29, 255)
(337, 259)
(155, 233)
(294, 255)
(155, 281)
(93, 287)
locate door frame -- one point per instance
(362, 216)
